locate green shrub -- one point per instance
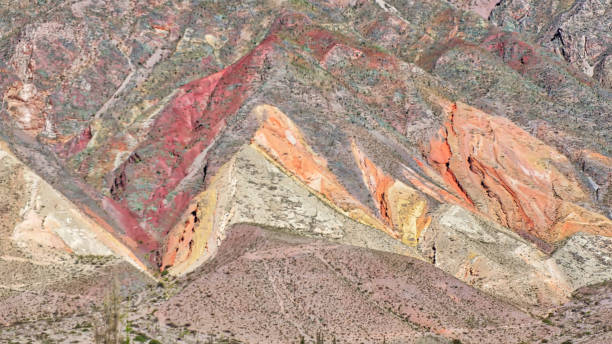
(141, 338)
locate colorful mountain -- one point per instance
(377, 151)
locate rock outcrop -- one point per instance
(476, 144)
(512, 177)
(279, 138)
(493, 259)
(482, 7)
(400, 206)
(47, 224)
(577, 31)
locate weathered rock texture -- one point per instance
(513, 177)
(54, 260)
(498, 261)
(477, 142)
(41, 223)
(577, 31)
(482, 7)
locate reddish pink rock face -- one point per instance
(518, 55)
(377, 83)
(439, 156)
(282, 141)
(181, 244)
(26, 106)
(512, 177)
(145, 189)
(75, 144)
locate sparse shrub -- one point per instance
(141, 338)
(106, 329)
(319, 338)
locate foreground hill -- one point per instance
(269, 286)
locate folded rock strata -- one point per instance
(409, 127)
(512, 177)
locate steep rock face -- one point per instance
(512, 177)
(449, 44)
(598, 167)
(199, 231)
(48, 224)
(494, 260)
(578, 31)
(400, 206)
(603, 71)
(281, 140)
(178, 141)
(54, 259)
(25, 105)
(595, 166)
(260, 172)
(234, 196)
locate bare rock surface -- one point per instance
(578, 31)
(503, 264)
(375, 170)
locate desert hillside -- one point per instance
(287, 171)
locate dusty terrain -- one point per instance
(270, 286)
(266, 170)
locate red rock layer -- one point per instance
(283, 143)
(184, 130)
(511, 176)
(439, 157)
(377, 182)
(26, 107)
(182, 242)
(75, 144)
(400, 206)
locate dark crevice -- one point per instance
(118, 186)
(158, 259)
(433, 248)
(194, 213)
(454, 178)
(134, 158)
(558, 35)
(383, 207)
(204, 173)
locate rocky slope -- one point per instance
(577, 31)
(146, 130)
